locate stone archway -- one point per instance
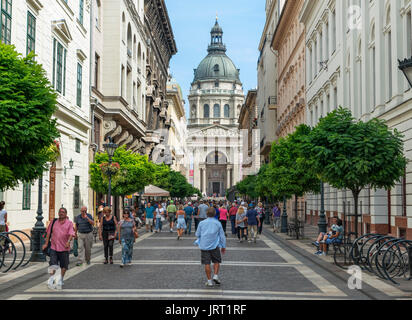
(216, 174)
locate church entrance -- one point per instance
(216, 174)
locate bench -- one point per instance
(296, 229)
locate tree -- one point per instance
(174, 182)
(134, 173)
(350, 154)
(27, 104)
(247, 187)
(290, 172)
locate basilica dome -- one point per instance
(217, 65)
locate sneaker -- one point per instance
(250, 240)
(209, 284)
(121, 265)
(88, 263)
(171, 230)
(315, 243)
(216, 280)
(79, 264)
(59, 285)
(318, 252)
(50, 283)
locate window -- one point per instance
(31, 33)
(122, 82)
(76, 193)
(5, 21)
(96, 71)
(59, 67)
(216, 111)
(26, 196)
(77, 145)
(79, 85)
(206, 111)
(227, 111)
(97, 123)
(81, 11)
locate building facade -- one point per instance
(267, 81)
(215, 100)
(118, 78)
(289, 42)
(248, 119)
(177, 135)
(353, 51)
(58, 33)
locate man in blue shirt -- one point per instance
(211, 241)
(149, 215)
(253, 222)
(189, 213)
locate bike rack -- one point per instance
(5, 243)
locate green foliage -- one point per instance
(135, 173)
(351, 154)
(290, 172)
(247, 187)
(174, 182)
(27, 103)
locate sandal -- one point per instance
(111, 260)
(106, 262)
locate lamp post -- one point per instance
(322, 218)
(284, 225)
(38, 230)
(110, 149)
(406, 67)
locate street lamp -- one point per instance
(406, 67)
(71, 163)
(110, 149)
(322, 217)
(38, 230)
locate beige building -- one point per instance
(266, 98)
(289, 42)
(177, 134)
(250, 135)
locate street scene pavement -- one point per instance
(274, 268)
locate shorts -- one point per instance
(149, 221)
(208, 256)
(59, 259)
(171, 217)
(333, 240)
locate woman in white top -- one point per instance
(3, 220)
(160, 212)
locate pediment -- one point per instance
(61, 28)
(216, 131)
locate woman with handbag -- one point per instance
(107, 233)
(160, 218)
(127, 236)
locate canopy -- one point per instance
(153, 191)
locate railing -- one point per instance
(13, 251)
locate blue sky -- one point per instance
(242, 22)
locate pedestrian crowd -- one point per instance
(210, 219)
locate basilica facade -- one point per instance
(214, 140)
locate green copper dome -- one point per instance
(217, 65)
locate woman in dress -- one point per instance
(181, 222)
(127, 235)
(160, 212)
(107, 233)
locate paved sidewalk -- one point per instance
(305, 245)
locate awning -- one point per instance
(153, 191)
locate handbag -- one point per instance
(47, 250)
(162, 219)
(110, 236)
(136, 235)
(75, 248)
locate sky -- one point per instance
(242, 22)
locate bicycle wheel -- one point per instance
(27, 249)
(20, 250)
(8, 252)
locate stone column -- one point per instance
(204, 180)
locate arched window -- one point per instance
(139, 55)
(194, 112)
(123, 26)
(134, 48)
(129, 40)
(227, 111)
(216, 111)
(206, 111)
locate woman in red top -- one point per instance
(223, 217)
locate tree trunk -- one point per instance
(356, 198)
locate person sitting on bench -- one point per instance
(335, 235)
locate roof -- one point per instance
(217, 66)
(153, 191)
